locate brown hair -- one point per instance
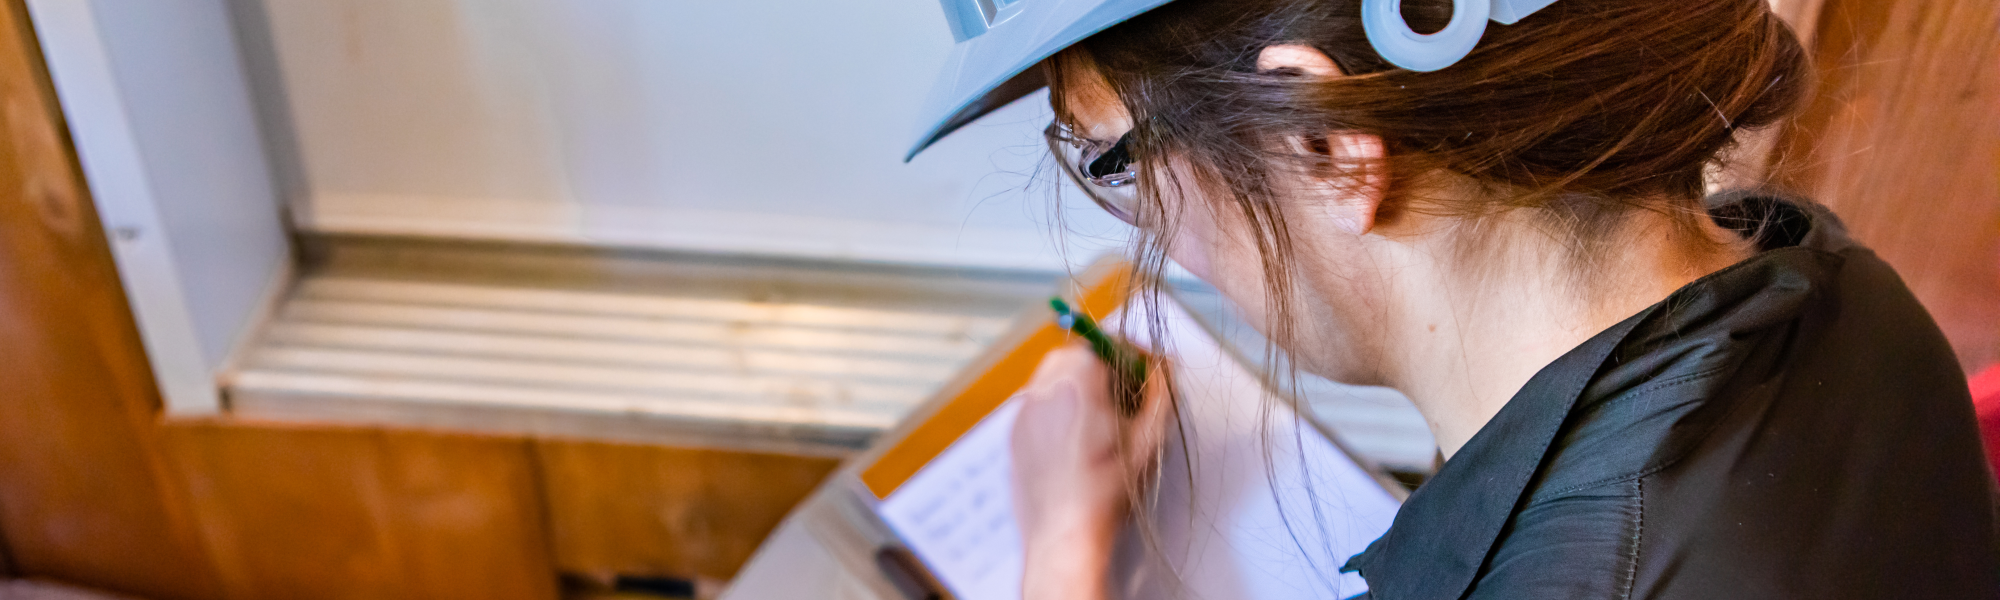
(1586, 110)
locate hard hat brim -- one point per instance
(996, 67)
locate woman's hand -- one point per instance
(1072, 470)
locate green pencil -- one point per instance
(1128, 364)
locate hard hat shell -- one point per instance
(1000, 41)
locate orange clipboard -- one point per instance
(846, 519)
(1102, 288)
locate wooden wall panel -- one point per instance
(7, 568)
(1803, 15)
(667, 511)
(95, 490)
(1903, 141)
(313, 513)
(84, 494)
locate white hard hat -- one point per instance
(1000, 41)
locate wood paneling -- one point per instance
(6, 562)
(84, 492)
(1803, 15)
(667, 511)
(96, 489)
(1903, 141)
(313, 513)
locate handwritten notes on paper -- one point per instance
(957, 514)
(1265, 506)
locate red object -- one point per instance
(1986, 400)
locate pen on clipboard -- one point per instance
(1127, 363)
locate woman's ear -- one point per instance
(1357, 182)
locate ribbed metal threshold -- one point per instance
(782, 356)
(768, 355)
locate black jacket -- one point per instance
(1793, 426)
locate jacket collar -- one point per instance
(1443, 534)
(1479, 488)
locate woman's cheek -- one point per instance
(1237, 275)
(1191, 256)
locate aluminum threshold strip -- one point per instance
(520, 359)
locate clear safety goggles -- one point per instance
(1106, 172)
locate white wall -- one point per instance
(156, 101)
(764, 127)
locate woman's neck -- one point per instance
(1476, 326)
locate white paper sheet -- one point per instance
(957, 513)
(1268, 509)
